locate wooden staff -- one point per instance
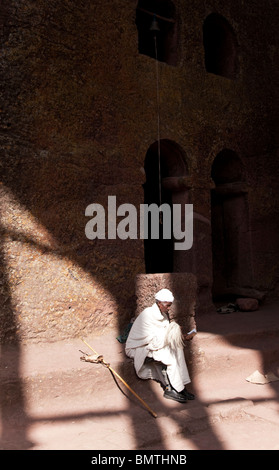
(99, 359)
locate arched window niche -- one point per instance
(163, 13)
(220, 47)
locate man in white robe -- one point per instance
(156, 346)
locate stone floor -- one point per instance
(53, 401)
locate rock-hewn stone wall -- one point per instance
(78, 115)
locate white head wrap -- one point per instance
(164, 295)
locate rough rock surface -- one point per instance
(247, 305)
(78, 115)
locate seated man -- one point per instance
(156, 345)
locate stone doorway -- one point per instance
(231, 246)
(160, 256)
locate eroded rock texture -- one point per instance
(78, 116)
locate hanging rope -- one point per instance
(158, 118)
(155, 29)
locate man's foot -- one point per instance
(172, 394)
(187, 395)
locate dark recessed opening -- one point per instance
(159, 254)
(220, 46)
(227, 168)
(163, 11)
(230, 228)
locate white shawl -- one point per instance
(147, 334)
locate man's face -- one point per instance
(164, 306)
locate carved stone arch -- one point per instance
(159, 254)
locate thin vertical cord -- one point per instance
(158, 123)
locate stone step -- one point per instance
(212, 352)
(240, 339)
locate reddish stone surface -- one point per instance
(55, 401)
(247, 305)
(78, 117)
